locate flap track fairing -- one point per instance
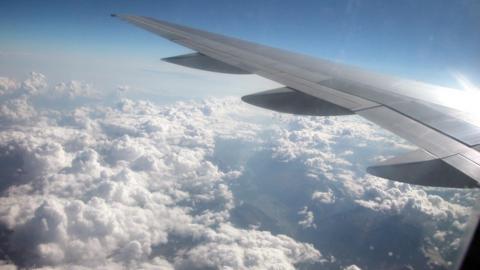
(203, 62)
(287, 100)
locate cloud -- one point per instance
(308, 218)
(352, 267)
(74, 89)
(111, 186)
(231, 248)
(7, 85)
(137, 185)
(16, 110)
(324, 197)
(317, 146)
(34, 83)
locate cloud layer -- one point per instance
(137, 185)
(111, 186)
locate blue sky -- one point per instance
(153, 156)
(424, 40)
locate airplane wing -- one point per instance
(448, 135)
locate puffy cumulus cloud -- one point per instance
(352, 267)
(413, 201)
(232, 248)
(136, 185)
(307, 138)
(324, 197)
(333, 153)
(68, 231)
(35, 89)
(307, 218)
(7, 85)
(73, 89)
(34, 83)
(19, 101)
(16, 110)
(114, 186)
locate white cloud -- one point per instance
(101, 186)
(7, 85)
(440, 236)
(352, 267)
(324, 197)
(34, 83)
(73, 89)
(308, 219)
(232, 248)
(16, 110)
(109, 186)
(412, 201)
(318, 145)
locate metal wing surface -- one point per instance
(444, 122)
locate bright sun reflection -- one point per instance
(466, 101)
(465, 82)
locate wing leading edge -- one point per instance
(412, 110)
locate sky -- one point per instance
(99, 168)
(428, 40)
